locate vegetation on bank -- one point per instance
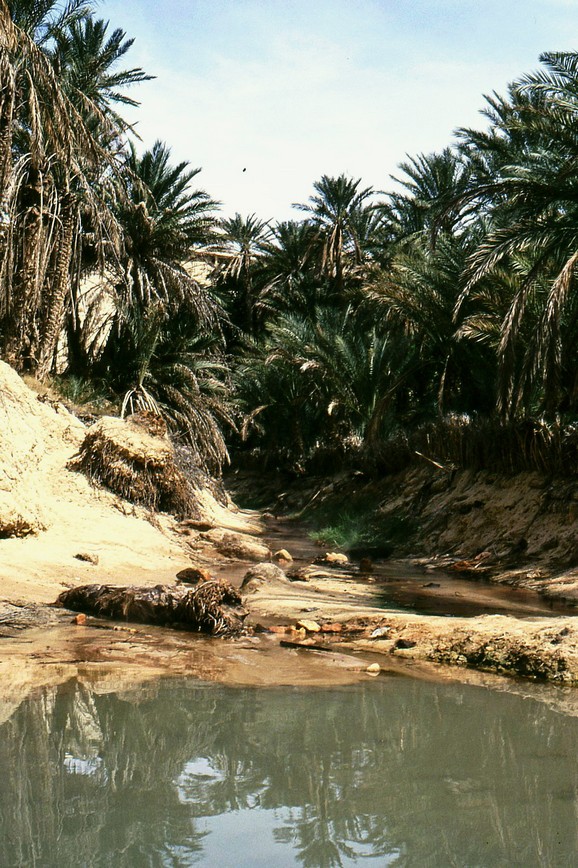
(437, 320)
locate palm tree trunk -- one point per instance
(7, 96)
(7, 99)
(54, 316)
(20, 327)
(20, 330)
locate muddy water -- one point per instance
(334, 768)
(402, 586)
(395, 771)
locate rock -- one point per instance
(279, 629)
(282, 555)
(302, 574)
(86, 556)
(80, 619)
(193, 575)
(373, 669)
(365, 565)
(379, 632)
(18, 616)
(237, 545)
(309, 626)
(405, 643)
(262, 574)
(333, 558)
(196, 524)
(331, 628)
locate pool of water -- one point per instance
(390, 772)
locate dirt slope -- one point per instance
(56, 529)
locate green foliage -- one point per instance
(337, 338)
(87, 395)
(357, 525)
(349, 531)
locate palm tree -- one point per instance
(534, 196)
(324, 384)
(39, 128)
(87, 59)
(62, 74)
(161, 344)
(289, 278)
(416, 297)
(243, 238)
(164, 220)
(335, 213)
(165, 366)
(433, 187)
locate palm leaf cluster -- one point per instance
(450, 300)
(461, 282)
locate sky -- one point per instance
(266, 96)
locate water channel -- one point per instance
(394, 771)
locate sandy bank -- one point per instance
(57, 531)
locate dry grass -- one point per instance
(484, 444)
(135, 459)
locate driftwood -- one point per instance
(212, 607)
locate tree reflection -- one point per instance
(404, 772)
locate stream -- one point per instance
(391, 772)
(328, 768)
(405, 587)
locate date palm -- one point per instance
(534, 194)
(243, 238)
(289, 276)
(163, 343)
(39, 127)
(335, 211)
(63, 80)
(431, 195)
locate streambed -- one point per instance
(126, 745)
(402, 585)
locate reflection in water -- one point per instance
(392, 772)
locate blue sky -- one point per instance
(292, 90)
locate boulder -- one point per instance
(309, 626)
(262, 574)
(237, 545)
(194, 575)
(282, 555)
(333, 558)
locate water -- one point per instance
(390, 772)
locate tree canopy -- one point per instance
(367, 316)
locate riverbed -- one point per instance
(129, 745)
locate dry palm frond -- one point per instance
(125, 457)
(138, 400)
(213, 607)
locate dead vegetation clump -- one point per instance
(212, 607)
(478, 443)
(135, 459)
